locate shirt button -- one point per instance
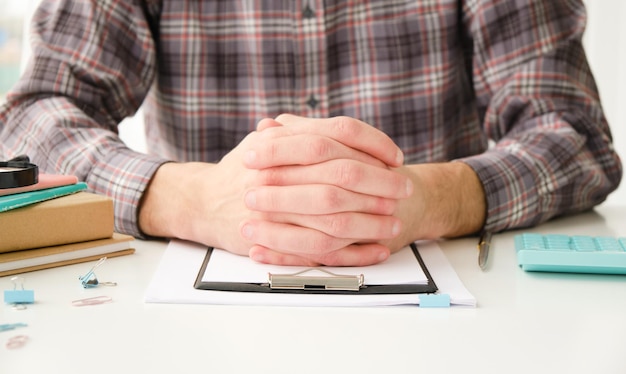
(312, 102)
(308, 13)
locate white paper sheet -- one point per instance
(174, 279)
(401, 268)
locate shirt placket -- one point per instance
(312, 80)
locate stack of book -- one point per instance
(56, 222)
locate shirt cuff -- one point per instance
(124, 178)
(510, 190)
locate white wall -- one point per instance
(132, 132)
(605, 42)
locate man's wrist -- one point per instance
(448, 200)
(149, 207)
(472, 202)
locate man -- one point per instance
(392, 104)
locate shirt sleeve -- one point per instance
(92, 64)
(552, 151)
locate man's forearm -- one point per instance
(448, 201)
(167, 202)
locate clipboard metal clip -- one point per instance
(330, 282)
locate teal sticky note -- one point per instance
(434, 301)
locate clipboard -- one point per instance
(306, 282)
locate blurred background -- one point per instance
(603, 41)
(12, 42)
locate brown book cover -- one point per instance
(48, 257)
(78, 217)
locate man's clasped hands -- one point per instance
(302, 191)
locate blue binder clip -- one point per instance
(19, 296)
(90, 280)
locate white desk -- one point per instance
(524, 323)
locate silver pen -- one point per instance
(483, 249)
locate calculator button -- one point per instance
(532, 241)
(608, 244)
(555, 242)
(583, 244)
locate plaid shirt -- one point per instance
(441, 77)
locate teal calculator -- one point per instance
(571, 253)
